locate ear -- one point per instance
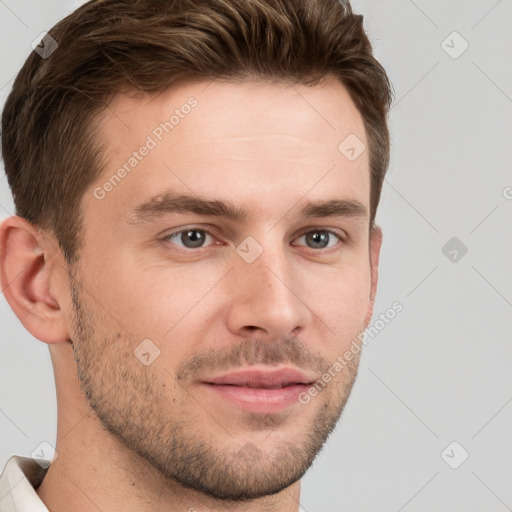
(29, 264)
(375, 245)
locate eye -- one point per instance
(190, 238)
(321, 239)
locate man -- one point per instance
(196, 185)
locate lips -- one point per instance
(259, 390)
(263, 379)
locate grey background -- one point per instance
(440, 370)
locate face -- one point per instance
(222, 274)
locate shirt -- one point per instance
(18, 482)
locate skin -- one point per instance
(145, 438)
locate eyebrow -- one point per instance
(169, 203)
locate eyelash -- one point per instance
(342, 240)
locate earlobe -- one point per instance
(28, 263)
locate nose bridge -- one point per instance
(267, 294)
(270, 276)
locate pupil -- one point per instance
(192, 238)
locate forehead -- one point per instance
(247, 139)
(238, 108)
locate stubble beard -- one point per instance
(127, 399)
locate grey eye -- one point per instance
(190, 238)
(320, 239)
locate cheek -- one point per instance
(166, 304)
(161, 301)
(342, 305)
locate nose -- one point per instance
(268, 299)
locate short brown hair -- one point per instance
(49, 147)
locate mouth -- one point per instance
(265, 379)
(260, 391)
